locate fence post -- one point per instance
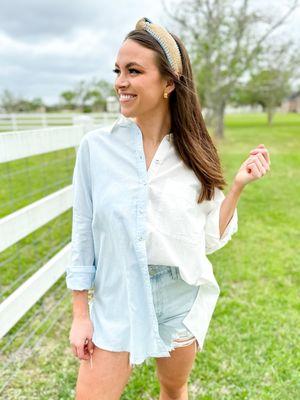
(14, 122)
(86, 121)
(44, 120)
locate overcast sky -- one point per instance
(46, 46)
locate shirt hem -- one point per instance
(132, 359)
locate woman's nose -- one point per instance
(121, 82)
(121, 85)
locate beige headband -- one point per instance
(165, 40)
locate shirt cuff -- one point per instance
(80, 277)
(213, 240)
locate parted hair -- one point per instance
(192, 141)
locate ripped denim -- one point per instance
(173, 299)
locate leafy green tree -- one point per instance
(97, 94)
(267, 88)
(68, 97)
(91, 95)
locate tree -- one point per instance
(12, 104)
(225, 40)
(8, 101)
(81, 90)
(97, 94)
(68, 97)
(37, 104)
(92, 95)
(267, 88)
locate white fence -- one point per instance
(21, 121)
(19, 224)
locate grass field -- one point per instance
(252, 347)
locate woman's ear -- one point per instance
(170, 85)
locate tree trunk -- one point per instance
(270, 112)
(219, 121)
(208, 117)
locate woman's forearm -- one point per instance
(228, 206)
(80, 304)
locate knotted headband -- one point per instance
(166, 41)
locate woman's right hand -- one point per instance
(82, 329)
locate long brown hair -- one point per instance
(192, 141)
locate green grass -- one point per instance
(21, 183)
(251, 349)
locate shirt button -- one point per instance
(141, 211)
(141, 156)
(141, 238)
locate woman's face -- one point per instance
(140, 78)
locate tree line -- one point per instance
(86, 96)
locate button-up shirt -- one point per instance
(126, 217)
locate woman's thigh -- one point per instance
(106, 379)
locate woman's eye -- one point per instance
(116, 70)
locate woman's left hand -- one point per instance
(256, 166)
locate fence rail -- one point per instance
(19, 224)
(22, 121)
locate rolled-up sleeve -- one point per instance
(80, 274)
(213, 241)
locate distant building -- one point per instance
(291, 103)
(112, 104)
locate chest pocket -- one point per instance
(178, 213)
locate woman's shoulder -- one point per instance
(110, 127)
(97, 133)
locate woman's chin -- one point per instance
(127, 113)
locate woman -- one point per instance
(148, 207)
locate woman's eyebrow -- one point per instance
(130, 64)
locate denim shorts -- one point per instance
(173, 299)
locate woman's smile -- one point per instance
(126, 98)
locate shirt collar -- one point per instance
(124, 121)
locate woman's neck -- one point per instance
(154, 129)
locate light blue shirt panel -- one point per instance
(108, 242)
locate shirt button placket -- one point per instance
(152, 310)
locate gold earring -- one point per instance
(165, 95)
